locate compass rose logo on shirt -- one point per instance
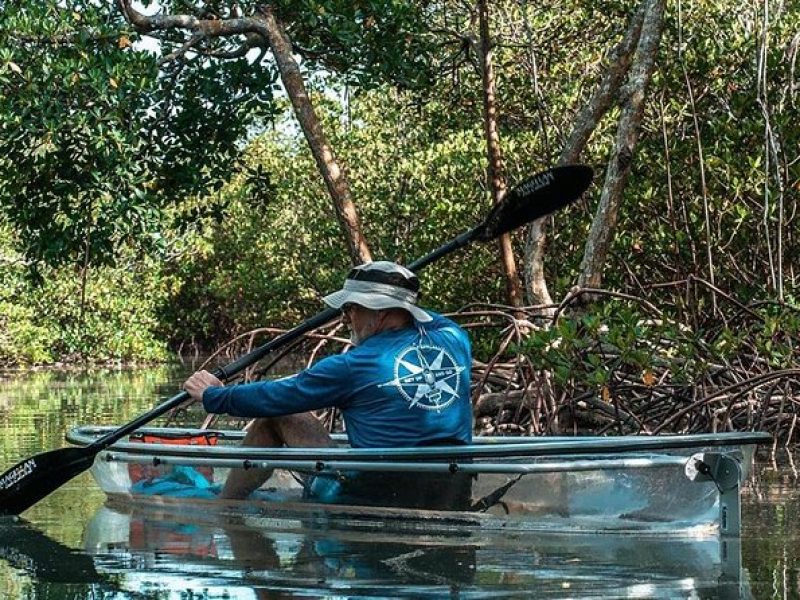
(427, 377)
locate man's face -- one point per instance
(362, 322)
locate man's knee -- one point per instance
(301, 429)
(262, 432)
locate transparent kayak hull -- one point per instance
(674, 485)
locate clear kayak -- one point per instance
(682, 484)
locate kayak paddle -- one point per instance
(30, 480)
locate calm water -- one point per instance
(72, 546)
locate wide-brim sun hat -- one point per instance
(380, 285)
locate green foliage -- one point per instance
(197, 118)
(368, 41)
(112, 317)
(586, 351)
(277, 248)
(365, 42)
(612, 344)
(417, 172)
(548, 63)
(663, 228)
(117, 320)
(69, 174)
(95, 142)
(22, 341)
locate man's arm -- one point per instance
(324, 384)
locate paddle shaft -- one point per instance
(254, 356)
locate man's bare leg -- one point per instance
(300, 431)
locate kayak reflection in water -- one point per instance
(172, 550)
(405, 383)
(234, 553)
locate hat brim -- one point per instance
(375, 302)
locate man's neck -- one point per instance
(396, 319)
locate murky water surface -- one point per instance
(71, 545)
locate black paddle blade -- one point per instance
(536, 197)
(27, 482)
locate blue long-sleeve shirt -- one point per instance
(405, 387)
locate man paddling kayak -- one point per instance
(405, 383)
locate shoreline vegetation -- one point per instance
(663, 357)
(615, 366)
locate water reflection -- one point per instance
(235, 555)
(149, 554)
(27, 549)
(37, 408)
(149, 550)
(771, 534)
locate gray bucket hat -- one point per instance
(379, 285)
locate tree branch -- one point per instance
(208, 27)
(605, 221)
(332, 173)
(585, 124)
(193, 41)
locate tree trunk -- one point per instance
(585, 124)
(260, 30)
(332, 173)
(605, 220)
(495, 170)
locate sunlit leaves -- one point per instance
(96, 142)
(366, 42)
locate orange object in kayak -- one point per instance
(138, 472)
